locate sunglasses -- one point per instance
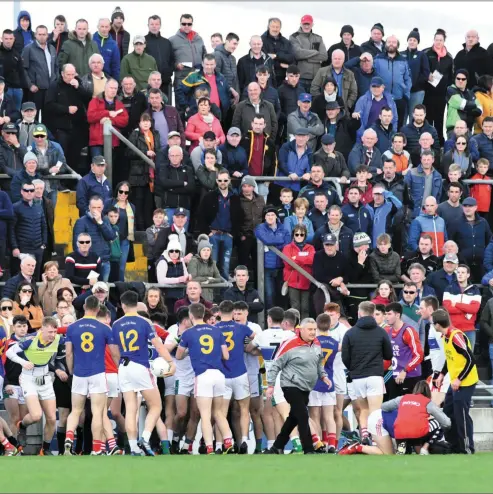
(84, 242)
(187, 24)
(174, 251)
(223, 181)
(28, 191)
(299, 234)
(26, 290)
(7, 307)
(460, 79)
(126, 192)
(39, 137)
(408, 292)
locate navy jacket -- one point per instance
(276, 238)
(29, 231)
(363, 79)
(420, 68)
(101, 235)
(234, 159)
(439, 282)
(89, 186)
(358, 219)
(6, 213)
(11, 286)
(18, 179)
(345, 239)
(485, 147)
(488, 257)
(413, 134)
(384, 136)
(472, 239)
(79, 301)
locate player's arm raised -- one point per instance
(163, 352)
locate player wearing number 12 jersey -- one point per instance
(132, 333)
(85, 348)
(207, 349)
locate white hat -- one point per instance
(100, 285)
(173, 243)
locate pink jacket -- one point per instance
(196, 128)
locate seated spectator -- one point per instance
(410, 309)
(429, 223)
(482, 142)
(460, 129)
(384, 262)
(459, 155)
(439, 280)
(363, 176)
(384, 129)
(451, 210)
(106, 106)
(202, 267)
(159, 222)
(193, 295)
(356, 215)
(368, 106)
(269, 92)
(24, 176)
(209, 141)
(11, 153)
(462, 300)
(26, 304)
(385, 207)
(101, 291)
(333, 162)
(202, 122)
(154, 300)
(398, 155)
(366, 153)
(483, 93)
(454, 175)
(318, 213)
(52, 282)
(286, 209)
(302, 253)
(329, 94)
(207, 173)
(306, 119)
(82, 263)
(62, 309)
(316, 185)
(26, 275)
(334, 225)
(234, 157)
(416, 180)
(301, 207)
(480, 192)
(385, 293)
(422, 255)
(417, 274)
(94, 183)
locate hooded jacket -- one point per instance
(310, 52)
(364, 348)
(202, 271)
(187, 49)
(75, 52)
(58, 43)
(20, 35)
(11, 161)
(486, 102)
(363, 107)
(461, 105)
(226, 65)
(110, 53)
(101, 234)
(426, 224)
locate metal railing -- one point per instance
(225, 284)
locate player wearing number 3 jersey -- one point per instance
(207, 349)
(85, 348)
(131, 333)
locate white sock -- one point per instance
(244, 439)
(133, 446)
(170, 435)
(270, 443)
(146, 436)
(219, 445)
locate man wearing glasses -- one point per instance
(27, 268)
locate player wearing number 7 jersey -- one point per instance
(85, 347)
(207, 349)
(132, 333)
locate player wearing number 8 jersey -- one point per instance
(207, 349)
(85, 348)
(132, 333)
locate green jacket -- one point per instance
(139, 67)
(202, 271)
(74, 52)
(461, 105)
(116, 250)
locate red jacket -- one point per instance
(366, 197)
(412, 417)
(482, 193)
(304, 259)
(197, 127)
(95, 112)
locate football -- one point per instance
(160, 367)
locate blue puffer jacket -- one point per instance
(485, 147)
(472, 239)
(234, 158)
(420, 68)
(18, 179)
(290, 163)
(358, 219)
(383, 216)
(6, 213)
(101, 235)
(395, 73)
(28, 231)
(111, 54)
(277, 238)
(89, 186)
(434, 226)
(363, 107)
(415, 181)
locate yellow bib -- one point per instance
(41, 356)
(456, 362)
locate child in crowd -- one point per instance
(384, 262)
(301, 206)
(385, 293)
(454, 175)
(363, 182)
(116, 251)
(286, 208)
(480, 192)
(160, 222)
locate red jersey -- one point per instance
(412, 417)
(482, 193)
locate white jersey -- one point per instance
(184, 369)
(338, 334)
(437, 351)
(269, 341)
(252, 361)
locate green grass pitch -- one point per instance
(286, 474)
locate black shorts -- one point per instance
(63, 392)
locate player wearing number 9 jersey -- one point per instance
(132, 333)
(85, 348)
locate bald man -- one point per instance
(474, 58)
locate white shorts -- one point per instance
(184, 387)
(135, 377)
(255, 385)
(16, 395)
(278, 396)
(169, 386)
(90, 385)
(210, 384)
(30, 388)
(113, 385)
(350, 392)
(340, 383)
(237, 387)
(375, 424)
(369, 386)
(319, 399)
(443, 388)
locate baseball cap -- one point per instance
(234, 130)
(40, 130)
(332, 105)
(451, 258)
(328, 139)
(377, 82)
(361, 238)
(173, 133)
(181, 212)
(248, 180)
(10, 128)
(209, 136)
(101, 286)
(470, 201)
(305, 97)
(329, 239)
(307, 19)
(99, 160)
(139, 39)
(28, 105)
(302, 132)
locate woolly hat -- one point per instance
(347, 29)
(360, 239)
(414, 34)
(203, 243)
(379, 27)
(173, 243)
(269, 209)
(118, 12)
(30, 156)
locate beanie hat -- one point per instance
(269, 209)
(118, 12)
(347, 29)
(173, 243)
(379, 27)
(414, 34)
(360, 239)
(203, 243)
(458, 71)
(30, 156)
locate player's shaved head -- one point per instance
(226, 307)
(130, 299)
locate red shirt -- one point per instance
(214, 96)
(482, 193)
(256, 164)
(412, 417)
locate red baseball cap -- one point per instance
(307, 19)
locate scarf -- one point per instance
(330, 97)
(441, 53)
(190, 35)
(208, 119)
(300, 245)
(149, 139)
(130, 221)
